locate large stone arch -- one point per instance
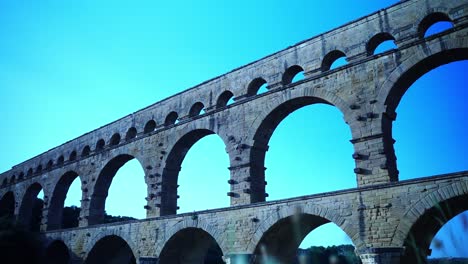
(281, 224)
(420, 222)
(424, 59)
(197, 233)
(7, 204)
(27, 202)
(274, 111)
(57, 199)
(171, 164)
(57, 252)
(102, 184)
(111, 233)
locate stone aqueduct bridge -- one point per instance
(385, 218)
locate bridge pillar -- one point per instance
(383, 255)
(374, 154)
(247, 176)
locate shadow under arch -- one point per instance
(191, 245)
(429, 222)
(172, 168)
(111, 249)
(57, 201)
(264, 132)
(7, 205)
(280, 242)
(57, 253)
(28, 205)
(102, 185)
(401, 79)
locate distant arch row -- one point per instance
(223, 99)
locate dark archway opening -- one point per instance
(306, 139)
(58, 216)
(432, 113)
(433, 24)
(293, 74)
(7, 205)
(201, 180)
(122, 174)
(111, 250)
(225, 99)
(191, 245)
(30, 213)
(281, 242)
(57, 253)
(421, 236)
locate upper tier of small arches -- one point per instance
(223, 99)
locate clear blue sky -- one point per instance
(68, 67)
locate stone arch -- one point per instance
(402, 77)
(291, 225)
(60, 160)
(275, 111)
(376, 40)
(171, 118)
(27, 203)
(86, 151)
(114, 140)
(57, 252)
(330, 58)
(49, 165)
(196, 109)
(290, 73)
(149, 126)
(131, 133)
(109, 240)
(7, 204)
(190, 239)
(172, 166)
(224, 98)
(57, 200)
(100, 144)
(254, 86)
(419, 223)
(430, 19)
(102, 185)
(72, 156)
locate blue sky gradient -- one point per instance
(68, 67)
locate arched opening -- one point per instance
(21, 176)
(283, 242)
(57, 253)
(333, 60)
(30, 172)
(149, 126)
(39, 169)
(293, 74)
(203, 170)
(452, 242)
(196, 109)
(72, 156)
(320, 148)
(100, 144)
(431, 113)
(433, 24)
(191, 245)
(122, 174)
(7, 205)
(49, 165)
(30, 212)
(225, 99)
(115, 139)
(60, 160)
(171, 119)
(380, 43)
(13, 179)
(86, 151)
(58, 216)
(131, 133)
(4, 182)
(257, 86)
(111, 250)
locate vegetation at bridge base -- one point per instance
(342, 254)
(18, 245)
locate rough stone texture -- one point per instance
(379, 214)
